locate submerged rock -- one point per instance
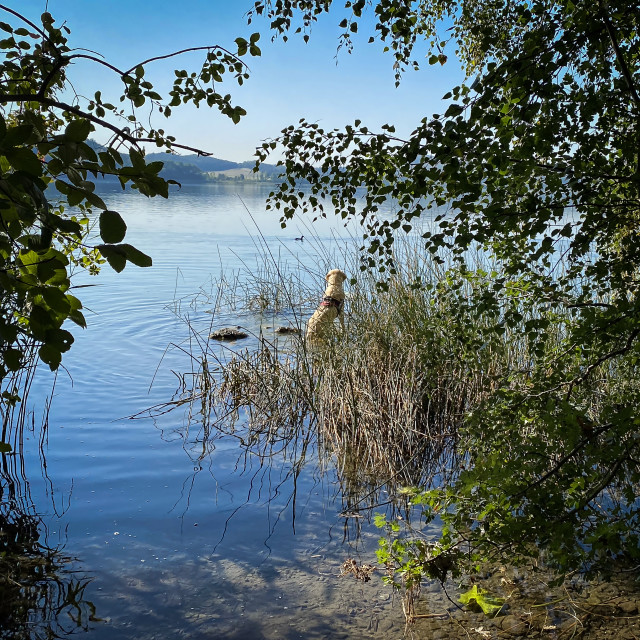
(512, 625)
(228, 333)
(629, 607)
(287, 330)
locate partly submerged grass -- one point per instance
(385, 398)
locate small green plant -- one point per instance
(481, 598)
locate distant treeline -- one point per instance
(197, 169)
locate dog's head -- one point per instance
(335, 276)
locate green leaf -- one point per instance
(95, 200)
(16, 136)
(60, 339)
(243, 45)
(50, 355)
(74, 303)
(78, 130)
(23, 159)
(114, 256)
(453, 110)
(136, 257)
(112, 227)
(5, 447)
(56, 277)
(489, 604)
(30, 261)
(12, 359)
(40, 321)
(66, 226)
(118, 254)
(78, 317)
(75, 196)
(155, 167)
(137, 159)
(56, 300)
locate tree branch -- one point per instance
(120, 133)
(177, 53)
(599, 488)
(607, 356)
(621, 61)
(85, 56)
(58, 64)
(31, 24)
(563, 460)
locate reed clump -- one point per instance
(392, 392)
(386, 397)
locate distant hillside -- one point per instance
(195, 169)
(209, 164)
(204, 163)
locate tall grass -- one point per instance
(386, 398)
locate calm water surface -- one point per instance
(175, 546)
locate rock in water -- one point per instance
(287, 330)
(228, 333)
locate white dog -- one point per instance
(330, 308)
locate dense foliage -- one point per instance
(48, 173)
(535, 160)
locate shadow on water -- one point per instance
(42, 590)
(237, 599)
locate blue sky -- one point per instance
(289, 81)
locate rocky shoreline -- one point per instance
(576, 610)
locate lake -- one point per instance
(150, 538)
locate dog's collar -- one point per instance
(328, 301)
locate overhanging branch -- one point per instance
(119, 132)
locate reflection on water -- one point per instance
(42, 594)
(184, 532)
